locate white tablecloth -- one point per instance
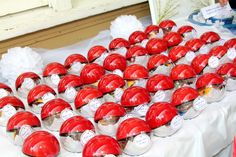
(204, 136)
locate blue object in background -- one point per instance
(228, 22)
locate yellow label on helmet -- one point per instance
(130, 83)
(205, 91)
(38, 101)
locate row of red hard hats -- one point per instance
(159, 116)
(78, 133)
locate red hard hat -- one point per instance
(118, 43)
(53, 107)
(135, 71)
(178, 52)
(157, 60)
(194, 44)
(184, 94)
(85, 95)
(172, 38)
(209, 79)
(134, 96)
(160, 114)
(210, 37)
(95, 52)
(151, 28)
(167, 24)
(134, 51)
(54, 68)
(12, 100)
(200, 62)
(132, 127)
(101, 145)
(227, 69)
(231, 43)
(37, 92)
(41, 143)
(218, 51)
(115, 61)
(69, 81)
(156, 46)
(76, 124)
(110, 82)
(109, 109)
(182, 71)
(137, 37)
(159, 82)
(22, 118)
(74, 58)
(92, 73)
(185, 29)
(6, 87)
(20, 78)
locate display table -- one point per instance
(204, 136)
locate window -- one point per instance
(15, 15)
(14, 6)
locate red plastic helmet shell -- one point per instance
(37, 92)
(160, 114)
(95, 52)
(156, 46)
(182, 71)
(109, 109)
(200, 62)
(74, 58)
(185, 29)
(227, 69)
(101, 145)
(178, 52)
(231, 43)
(167, 25)
(110, 82)
(22, 118)
(137, 37)
(54, 68)
(12, 100)
(209, 79)
(210, 37)
(151, 28)
(132, 127)
(6, 87)
(92, 73)
(134, 51)
(157, 60)
(134, 96)
(115, 61)
(53, 107)
(76, 124)
(159, 82)
(41, 143)
(135, 71)
(184, 94)
(218, 51)
(118, 43)
(172, 38)
(85, 95)
(20, 78)
(69, 81)
(195, 44)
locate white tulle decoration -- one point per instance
(124, 25)
(18, 60)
